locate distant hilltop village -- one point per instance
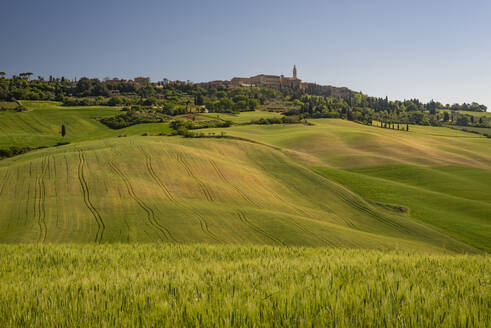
(277, 82)
(268, 81)
(261, 80)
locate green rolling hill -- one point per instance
(335, 183)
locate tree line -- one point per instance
(179, 97)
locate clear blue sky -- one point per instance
(401, 49)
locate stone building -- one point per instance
(268, 81)
(141, 80)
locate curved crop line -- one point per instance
(86, 197)
(33, 127)
(155, 177)
(67, 171)
(35, 200)
(279, 198)
(54, 165)
(202, 222)
(227, 181)
(347, 221)
(206, 192)
(40, 202)
(244, 219)
(54, 175)
(43, 197)
(27, 203)
(149, 211)
(6, 178)
(113, 148)
(204, 226)
(388, 222)
(307, 231)
(299, 226)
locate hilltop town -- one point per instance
(276, 82)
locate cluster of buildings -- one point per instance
(269, 81)
(141, 80)
(262, 80)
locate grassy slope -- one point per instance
(475, 129)
(343, 144)
(243, 117)
(456, 201)
(41, 125)
(190, 190)
(210, 286)
(476, 114)
(441, 175)
(443, 206)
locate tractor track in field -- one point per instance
(55, 179)
(206, 192)
(281, 200)
(302, 213)
(27, 203)
(5, 179)
(307, 231)
(54, 165)
(227, 181)
(40, 201)
(243, 218)
(396, 226)
(67, 171)
(113, 148)
(299, 226)
(344, 196)
(32, 127)
(147, 209)
(203, 224)
(155, 177)
(86, 197)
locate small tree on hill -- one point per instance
(63, 130)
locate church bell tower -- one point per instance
(294, 72)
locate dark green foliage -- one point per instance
(277, 120)
(115, 101)
(177, 97)
(132, 117)
(13, 151)
(463, 120)
(90, 87)
(193, 125)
